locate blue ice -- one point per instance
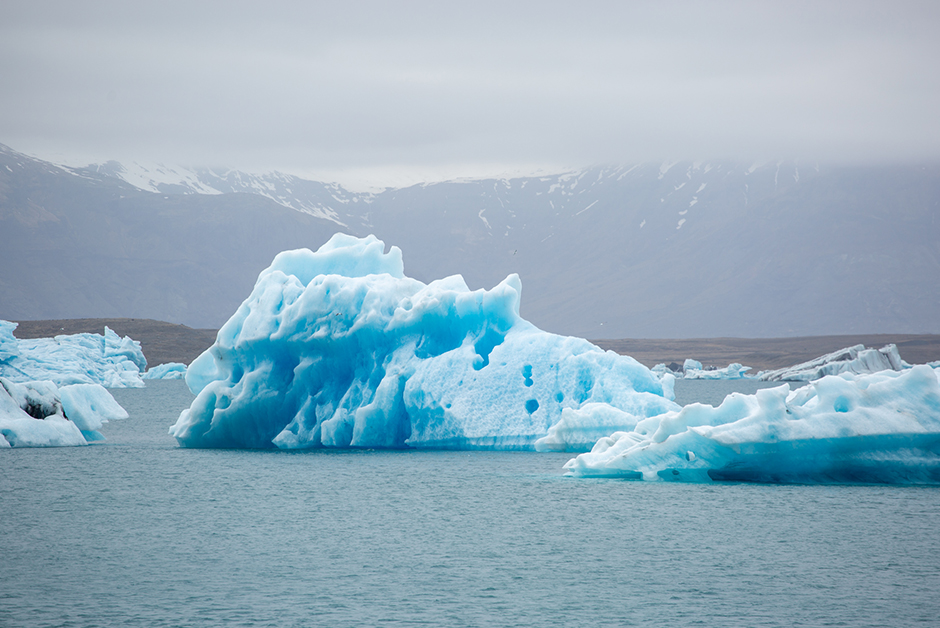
(338, 348)
(880, 428)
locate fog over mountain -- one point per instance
(683, 249)
(423, 88)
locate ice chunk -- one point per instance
(882, 427)
(693, 369)
(38, 414)
(34, 414)
(580, 428)
(108, 359)
(89, 406)
(170, 370)
(732, 371)
(855, 360)
(338, 348)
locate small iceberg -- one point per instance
(107, 360)
(856, 360)
(873, 428)
(170, 370)
(693, 369)
(41, 414)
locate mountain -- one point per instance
(76, 244)
(650, 250)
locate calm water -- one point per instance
(136, 532)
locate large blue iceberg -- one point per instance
(107, 360)
(338, 348)
(882, 428)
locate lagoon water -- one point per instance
(138, 532)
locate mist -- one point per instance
(420, 87)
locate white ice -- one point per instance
(108, 359)
(693, 369)
(39, 414)
(856, 360)
(170, 370)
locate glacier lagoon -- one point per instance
(136, 531)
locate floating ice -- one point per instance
(693, 369)
(170, 370)
(89, 406)
(579, 428)
(882, 427)
(856, 360)
(732, 371)
(338, 348)
(108, 360)
(38, 414)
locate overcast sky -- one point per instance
(425, 87)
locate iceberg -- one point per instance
(732, 371)
(874, 428)
(693, 369)
(338, 348)
(170, 370)
(40, 414)
(108, 360)
(856, 360)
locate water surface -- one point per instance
(137, 532)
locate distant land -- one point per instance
(167, 342)
(655, 250)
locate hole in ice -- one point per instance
(842, 404)
(531, 406)
(559, 396)
(527, 374)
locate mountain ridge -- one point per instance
(684, 249)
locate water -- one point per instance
(137, 532)
(713, 392)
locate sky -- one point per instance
(430, 90)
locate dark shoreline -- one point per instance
(166, 342)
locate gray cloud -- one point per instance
(331, 86)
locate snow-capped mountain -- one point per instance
(311, 197)
(648, 250)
